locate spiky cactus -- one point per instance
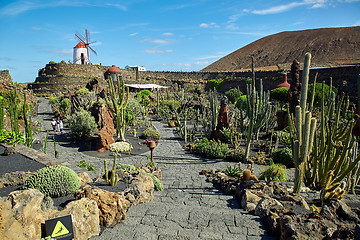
(2, 112)
(27, 122)
(303, 130)
(114, 178)
(117, 104)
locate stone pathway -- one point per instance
(188, 208)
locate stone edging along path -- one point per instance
(188, 208)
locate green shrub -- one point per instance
(279, 94)
(237, 155)
(53, 181)
(241, 103)
(318, 92)
(284, 137)
(52, 62)
(170, 104)
(211, 149)
(283, 156)
(216, 83)
(158, 185)
(275, 172)
(65, 106)
(150, 133)
(82, 91)
(135, 106)
(82, 124)
(233, 94)
(126, 167)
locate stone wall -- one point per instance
(66, 77)
(5, 77)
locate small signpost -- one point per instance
(60, 228)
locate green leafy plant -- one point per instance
(275, 172)
(318, 92)
(53, 181)
(82, 91)
(82, 124)
(237, 155)
(211, 149)
(233, 171)
(283, 156)
(279, 95)
(216, 83)
(120, 147)
(233, 94)
(86, 166)
(11, 138)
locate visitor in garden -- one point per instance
(54, 125)
(61, 125)
(58, 124)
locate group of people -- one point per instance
(57, 125)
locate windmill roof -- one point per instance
(80, 45)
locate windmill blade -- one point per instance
(91, 42)
(79, 37)
(92, 50)
(87, 35)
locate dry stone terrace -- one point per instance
(188, 208)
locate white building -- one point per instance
(135, 68)
(81, 55)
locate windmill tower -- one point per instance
(81, 50)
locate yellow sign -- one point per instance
(59, 230)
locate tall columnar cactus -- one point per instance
(27, 122)
(213, 109)
(2, 112)
(13, 101)
(114, 178)
(117, 104)
(303, 130)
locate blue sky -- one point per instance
(175, 35)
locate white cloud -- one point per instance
(63, 52)
(208, 57)
(119, 6)
(157, 51)
(209, 25)
(36, 28)
(202, 63)
(357, 23)
(157, 41)
(133, 34)
(168, 34)
(291, 5)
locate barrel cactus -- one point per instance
(53, 181)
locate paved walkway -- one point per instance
(188, 208)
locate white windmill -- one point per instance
(81, 50)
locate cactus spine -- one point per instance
(114, 178)
(117, 104)
(27, 122)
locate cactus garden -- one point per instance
(286, 155)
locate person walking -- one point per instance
(53, 124)
(61, 125)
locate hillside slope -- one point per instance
(329, 47)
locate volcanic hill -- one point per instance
(330, 47)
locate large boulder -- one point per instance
(23, 212)
(111, 205)
(14, 178)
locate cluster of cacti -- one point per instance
(258, 111)
(214, 103)
(114, 178)
(334, 162)
(53, 181)
(117, 104)
(302, 130)
(120, 147)
(150, 133)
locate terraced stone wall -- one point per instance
(5, 77)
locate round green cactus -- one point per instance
(53, 181)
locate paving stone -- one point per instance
(188, 208)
